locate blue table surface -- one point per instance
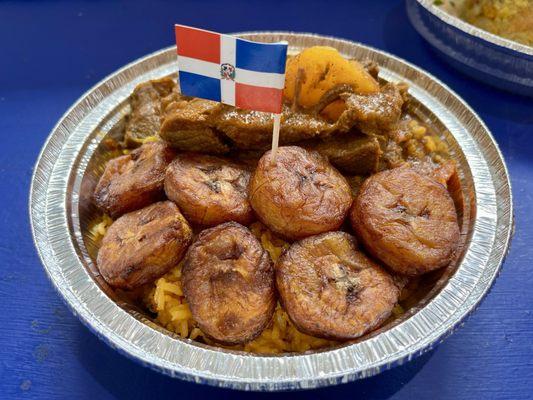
(51, 52)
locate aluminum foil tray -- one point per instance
(60, 206)
(482, 55)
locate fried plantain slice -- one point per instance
(209, 190)
(407, 220)
(299, 194)
(135, 180)
(228, 281)
(143, 245)
(330, 289)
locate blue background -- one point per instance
(53, 51)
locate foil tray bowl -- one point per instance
(482, 55)
(60, 206)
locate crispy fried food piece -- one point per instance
(441, 173)
(134, 180)
(330, 289)
(406, 220)
(299, 194)
(209, 190)
(228, 281)
(146, 110)
(143, 245)
(447, 175)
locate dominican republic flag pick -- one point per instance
(234, 71)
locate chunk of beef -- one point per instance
(189, 126)
(206, 126)
(145, 117)
(375, 113)
(253, 129)
(350, 153)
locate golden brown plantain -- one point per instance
(228, 281)
(299, 193)
(134, 180)
(143, 245)
(407, 220)
(330, 289)
(209, 190)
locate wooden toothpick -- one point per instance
(275, 135)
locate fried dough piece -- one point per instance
(143, 245)
(299, 194)
(330, 289)
(134, 180)
(228, 281)
(407, 220)
(209, 190)
(146, 110)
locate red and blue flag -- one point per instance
(231, 70)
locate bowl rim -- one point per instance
(44, 197)
(473, 30)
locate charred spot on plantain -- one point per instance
(425, 213)
(231, 253)
(399, 208)
(352, 293)
(146, 219)
(344, 282)
(209, 169)
(303, 178)
(225, 276)
(213, 185)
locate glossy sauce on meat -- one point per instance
(330, 289)
(299, 194)
(228, 281)
(143, 245)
